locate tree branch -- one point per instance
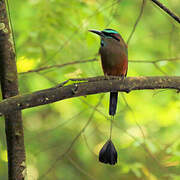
(93, 60)
(9, 86)
(89, 86)
(60, 65)
(166, 10)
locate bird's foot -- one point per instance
(122, 78)
(106, 77)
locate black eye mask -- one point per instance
(111, 35)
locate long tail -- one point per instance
(113, 103)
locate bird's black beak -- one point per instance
(96, 32)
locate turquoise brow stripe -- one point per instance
(110, 31)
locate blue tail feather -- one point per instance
(113, 103)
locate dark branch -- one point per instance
(166, 10)
(89, 86)
(9, 87)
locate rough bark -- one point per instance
(9, 87)
(89, 86)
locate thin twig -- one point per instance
(137, 21)
(137, 123)
(112, 12)
(92, 107)
(44, 134)
(86, 142)
(143, 145)
(93, 60)
(47, 78)
(158, 68)
(164, 8)
(11, 27)
(60, 65)
(171, 42)
(143, 135)
(74, 140)
(80, 168)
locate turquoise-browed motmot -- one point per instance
(114, 58)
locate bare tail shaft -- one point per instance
(113, 103)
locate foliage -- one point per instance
(146, 127)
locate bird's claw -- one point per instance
(122, 77)
(106, 77)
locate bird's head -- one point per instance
(108, 35)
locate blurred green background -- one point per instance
(146, 130)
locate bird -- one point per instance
(114, 59)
